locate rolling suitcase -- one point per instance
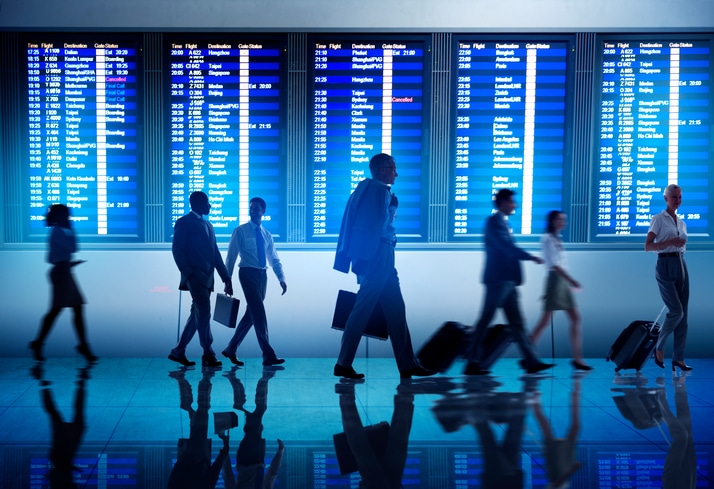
(634, 346)
(498, 338)
(440, 351)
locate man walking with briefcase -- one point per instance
(197, 256)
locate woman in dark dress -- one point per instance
(65, 292)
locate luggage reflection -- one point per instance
(489, 411)
(647, 407)
(379, 451)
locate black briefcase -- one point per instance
(226, 310)
(377, 437)
(377, 325)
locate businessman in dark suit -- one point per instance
(366, 245)
(197, 256)
(502, 274)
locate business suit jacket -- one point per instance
(196, 252)
(503, 257)
(362, 224)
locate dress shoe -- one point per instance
(581, 366)
(274, 361)
(682, 366)
(210, 361)
(36, 348)
(182, 360)
(538, 367)
(475, 369)
(346, 372)
(234, 360)
(659, 363)
(87, 352)
(417, 371)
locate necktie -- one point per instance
(260, 244)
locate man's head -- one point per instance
(504, 201)
(383, 168)
(199, 203)
(256, 209)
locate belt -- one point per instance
(668, 255)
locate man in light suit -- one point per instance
(366, 243)
(197, 256)
(502, 274)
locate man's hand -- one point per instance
(284, 286)
(539, 261)
(228, 288)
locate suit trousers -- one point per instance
(379, 285)
(673, 280)
(198, 321)
(501, 295)
(254, 282)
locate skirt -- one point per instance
(558, 296)
(65, 292)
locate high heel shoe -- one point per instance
(36, 348)
(659, 363)
(581, 366)
(84, 350)
(682, 366)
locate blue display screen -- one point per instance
(368, 97)
(82, 106)
(509, 131)
(655, 129)
(226, 130)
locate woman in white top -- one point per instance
(667, 237)
(558, 296)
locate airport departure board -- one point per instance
(369, 96)
(510, 108)
(654, 129)
(83, 143)
(226, 129)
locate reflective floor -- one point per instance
(146, 423)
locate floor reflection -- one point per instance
(144, 423)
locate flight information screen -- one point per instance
(83, 146)
(226, 129)
(509, 131)
(368, 97)
(654, 105)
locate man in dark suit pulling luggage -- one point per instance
(366, 243)
(197, 256)
(502, 274)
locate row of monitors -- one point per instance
(511, 110)
(463, 466)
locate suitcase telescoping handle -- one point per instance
(657, 318)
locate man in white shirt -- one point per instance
(255, 246)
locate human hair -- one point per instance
(501, 196)
(670, 188)
(57, 215)
(260, 202)
(197, 197)
(378, 161)
(550, 223)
